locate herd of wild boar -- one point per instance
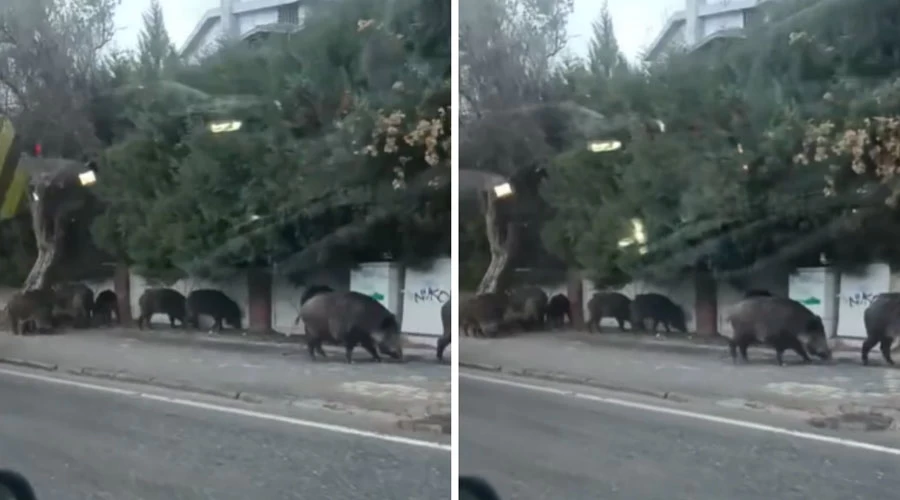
(71, 304)
(529, 308)
(353, 319)
(758, 319)
(74, 304)
(345, 318)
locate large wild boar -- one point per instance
(34, 307)
(528, 306)
(482, 315)
(312, 291)
(162, 301)
(106, 305)
(351, 319)
(608, 305)
(212, 303)
(882, 321)
(558, 311)
(75, 303)
(446, 337)
(779, 322)
(659, 309)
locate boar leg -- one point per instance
(442, 344)
(368, 344)
(797, 346)
(349, 345)
(886, 349)
(314, 343)
(867, 346)
(743, 346)
(732, 350)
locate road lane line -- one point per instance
(230, 410)
(810, 436)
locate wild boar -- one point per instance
(351, 319)
(608, 305)
(779, 322)
(659, 309)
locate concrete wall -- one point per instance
(286, 297)
(716, 23)
(249, 20)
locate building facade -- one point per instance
(242, 19)
(702, 21)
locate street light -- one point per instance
(637, 236)
(225, 126)
(604, 146)
(504, 190)
(609, 145)
(87, 178)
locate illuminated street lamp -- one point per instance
(87, 178)
(609, 145)
(604, 146)
(225, 126)
(637, 236)
(504, 190)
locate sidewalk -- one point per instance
(252, 371)
(689, 370)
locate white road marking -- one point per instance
(230, 410)
(849, 443)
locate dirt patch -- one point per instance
(438, 424)
(866, 422)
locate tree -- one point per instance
(345, 139)
(578, 181)
(508, 50)
(156, 53)
(51, 52)
(605, 58)
(724, 189)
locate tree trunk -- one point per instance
(575, 291)
(122, 286)
(502, 245)
(706, 307)
(48, 236)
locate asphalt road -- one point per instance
(532, 445)
(73, 443)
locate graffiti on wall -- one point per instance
(860, 299)
(431, 294)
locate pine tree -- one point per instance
(156, 53)
(605, 58)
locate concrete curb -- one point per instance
(425, 425)
(685, 347)
(29, 364)
(280, 342)
(435, 424)
(575, 380)
(124, 376)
